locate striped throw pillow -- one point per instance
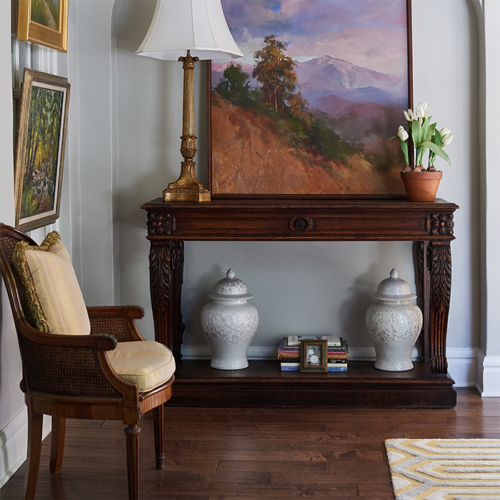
(52, 292)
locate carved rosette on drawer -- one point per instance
(440, 224)
(160, 224)
(301, 224)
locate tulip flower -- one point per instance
(447, 139)
(402, 133)
(409, 115)
(444, 132)
(423, 109)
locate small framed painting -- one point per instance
(311, 106)
(313, 356)
(43, 119)
(44, 22)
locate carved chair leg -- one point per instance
(133, 432)
(57, 444)
(158, 414)
(35, 424)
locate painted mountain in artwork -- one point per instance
(338, 87)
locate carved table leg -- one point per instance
(166, 268)
(440, 262)
(434, 280)
(424, 296)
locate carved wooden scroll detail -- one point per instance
(423, 272)
(440, 224)
(440, 265)
(166, 263)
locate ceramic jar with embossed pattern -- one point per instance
(229, 323)
(394, 324)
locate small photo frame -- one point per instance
(313, 356)
(44, 22)
(41, 139)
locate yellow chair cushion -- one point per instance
(52, 292)
(145, 363)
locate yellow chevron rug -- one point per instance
(444, 469)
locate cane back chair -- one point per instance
(71, 376)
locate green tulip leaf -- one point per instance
(404, 147)
(430, 132)
(436, 138)
(416, 134)
(436, 149)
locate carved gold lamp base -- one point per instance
(186, 187)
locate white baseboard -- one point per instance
(488, 375)
(14, 441)
(462, 365)
(462, 362)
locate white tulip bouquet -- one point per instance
(425, 136)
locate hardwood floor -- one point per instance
(252, 453)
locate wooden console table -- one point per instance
(429, 225)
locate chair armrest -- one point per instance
(100, 341)
(132, 312)
(71, 365)
(116, 320)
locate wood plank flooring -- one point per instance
(253, 453)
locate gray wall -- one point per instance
(298, 287)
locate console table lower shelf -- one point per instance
(262, 384)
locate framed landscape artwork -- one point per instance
(40, 149)
(44, 22)
(311, 106)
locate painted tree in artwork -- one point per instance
(275, 71)
(41, 151)
(235, 86)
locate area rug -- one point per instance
(444, 469)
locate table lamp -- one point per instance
(187, 31)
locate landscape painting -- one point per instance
(40, 149)
(311, 106)
(44, 22)
(46, 13)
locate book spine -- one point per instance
(330, 368)
(296, 355)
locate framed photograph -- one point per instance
(43, 120)
(311, 106)
(313, 356)
(44, 22)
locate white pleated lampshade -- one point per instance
(195, 25)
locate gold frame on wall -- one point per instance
(29, 30)
(50, 181)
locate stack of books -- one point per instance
(289, 352)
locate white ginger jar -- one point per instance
(394, 324)
(229, 323)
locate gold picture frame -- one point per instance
(41, 141)
(313, 356)
(44, 22)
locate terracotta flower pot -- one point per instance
(421, 186)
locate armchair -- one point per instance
(110, 374)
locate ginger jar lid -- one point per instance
(394, 288)
(230, 288)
